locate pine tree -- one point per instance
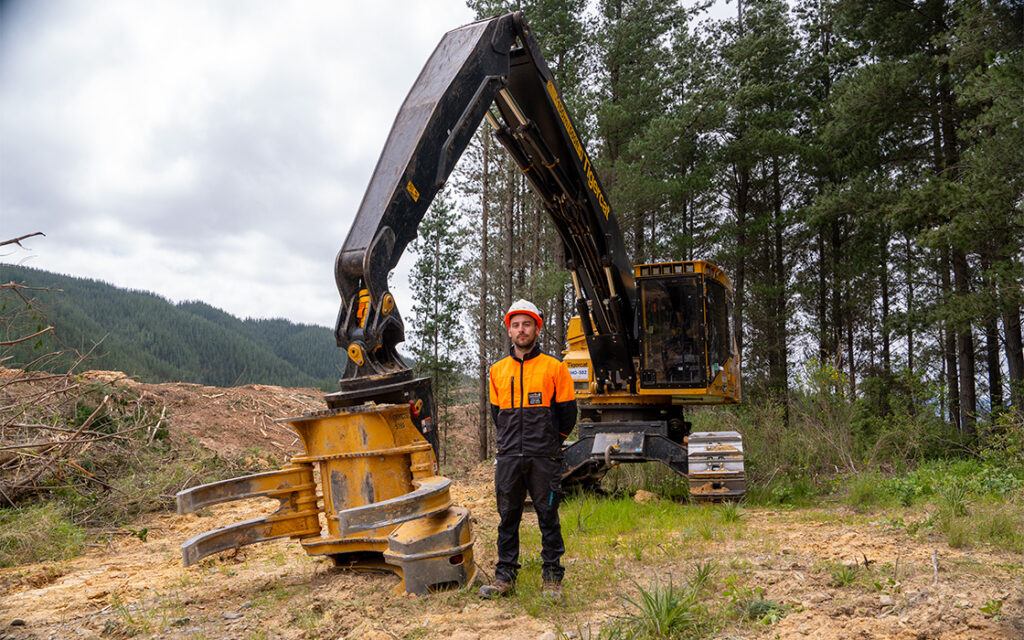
(438, 340)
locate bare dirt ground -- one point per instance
(128, 587)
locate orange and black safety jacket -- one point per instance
(532, 403)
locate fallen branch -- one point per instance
(7, 343)
(152, 434)
(47, 427)
(18, 240)
(63, 446)
(48, 443)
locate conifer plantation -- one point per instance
(857, 168)
(98, 326)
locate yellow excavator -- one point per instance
(647, 340)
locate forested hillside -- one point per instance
(150, 338)
(857, 168)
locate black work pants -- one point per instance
(514, 476)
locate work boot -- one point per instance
(497, 589)
(552, 590)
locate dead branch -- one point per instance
(7, 343)
(46, 427)
(156, 428)
(63, 447)
(28, 379)
(25, 287)
(18, 240)
(50, 443)
(92, 477)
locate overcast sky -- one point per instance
(200, 149)
(203, 150)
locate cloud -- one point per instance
(213, 151)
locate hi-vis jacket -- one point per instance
(532, 404)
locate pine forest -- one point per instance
(857, 168)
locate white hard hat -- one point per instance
(527, 307)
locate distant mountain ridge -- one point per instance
(155, 340)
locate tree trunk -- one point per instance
(560, 298)
(849, 350)
(781, 373)
(822, 301)
(950, 351)
(886, 364)
(440, 392)
(991, 322)
(484, 413)
(506, 263)
(742, 207)
(836, 240)
(1014, 355)
(909, 274)
(995, 373)
(742, 203)
(535, 259)
(965, 353)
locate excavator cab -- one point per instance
(686, 342)
(686, 356)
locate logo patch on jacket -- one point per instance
(535, 397)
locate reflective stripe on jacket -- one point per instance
(532, 403)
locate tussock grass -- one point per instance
(729, 513)
(843, 575)
(36, 533)
(868, 490)
(997, 524)
(666, 610)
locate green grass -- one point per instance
(611, 539)
(38, 533)
(972, 477)
(843, 575)
(996, 524)
(868, 490)
(971, 502)
(588, 515)
(667, 610)
(797, 491)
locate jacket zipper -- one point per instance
(522, 386)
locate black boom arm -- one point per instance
(491, 62)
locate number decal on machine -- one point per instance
(579, 372)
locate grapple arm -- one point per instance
(491, 62)
(435, 124)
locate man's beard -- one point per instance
(525, 347)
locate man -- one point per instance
(534, 409)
